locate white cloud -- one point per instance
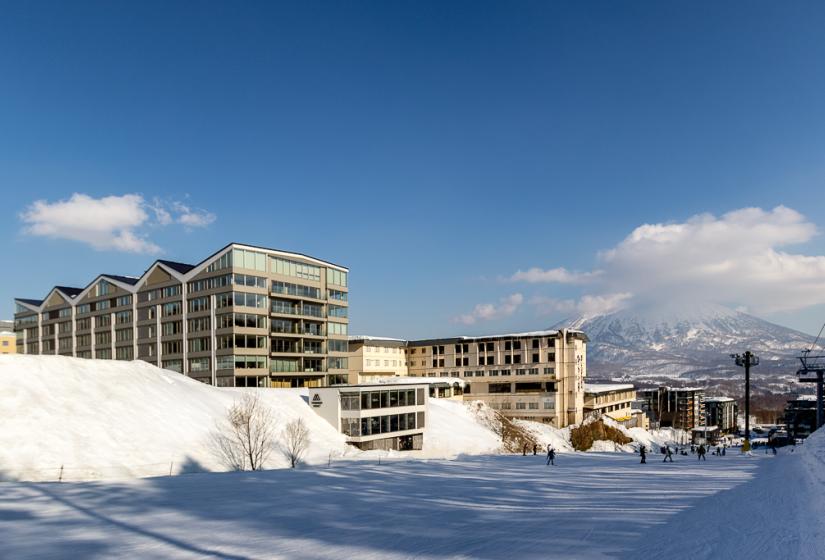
(739, 258)
(193, 218)
(736, 258)
(103, 223)
(559, 275)
(587, 305)
(107, 223)
(488, 311)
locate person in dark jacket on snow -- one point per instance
(702, 454)
(643, 453)
(668, 454)
(535, 448)
(551, 456)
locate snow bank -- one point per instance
(605, 445)
(454, 429)
(558, 439)
(109, 419)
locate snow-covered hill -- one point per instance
(106, 418)
(690, 342)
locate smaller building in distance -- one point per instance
(674, 407)
(800, 416)
(375, 416)
(721, 412)
(374, 358)
(8, 339)
(706, 435)
(614, 400)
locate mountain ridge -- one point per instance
(686, 342)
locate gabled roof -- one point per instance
(131, 280)
(182, 268)
(69, 291)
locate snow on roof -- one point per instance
(719, 399)
(805, 398)
(7, 333)
(706, 429)
(607, 387)
(356, 338)
(427, 380)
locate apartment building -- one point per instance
(535, 376)
(244, 316)
(675, 407)
(721, 412)
(373, 358)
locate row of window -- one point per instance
(296, 269)
(548, 405)
(368, 400)
(358, 427)
(241, 299)
(463, 361)
(464, 347)
(496, 373)
(297, 290)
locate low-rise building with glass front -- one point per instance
(244, 316)
(377, 416)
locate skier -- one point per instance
(702, 453)
(668, 454)
(551, 456)
(643, 453)
(535, 447)
(524, 451)
(723, 451)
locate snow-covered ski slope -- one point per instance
(589, 506)
(109, 419)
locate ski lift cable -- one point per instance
(817, 337)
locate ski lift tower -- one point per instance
(813, 371)
(747, 360)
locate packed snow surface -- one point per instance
(588, 506)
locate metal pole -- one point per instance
(748, 396)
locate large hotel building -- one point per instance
(531, 376)
(245, 316)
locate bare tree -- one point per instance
(244, 440)
(296, 441)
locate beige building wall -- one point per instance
(534, 376)
(374, 358)
(8, 342)
(615, 401)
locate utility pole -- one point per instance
(747, 360)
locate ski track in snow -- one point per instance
(590, 506)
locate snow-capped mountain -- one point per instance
(688, 342)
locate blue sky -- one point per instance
(435, 148)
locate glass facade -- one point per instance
(166, 319)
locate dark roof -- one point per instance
(131, 280)
(68, 290)
(183, 268)
(35, 302)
